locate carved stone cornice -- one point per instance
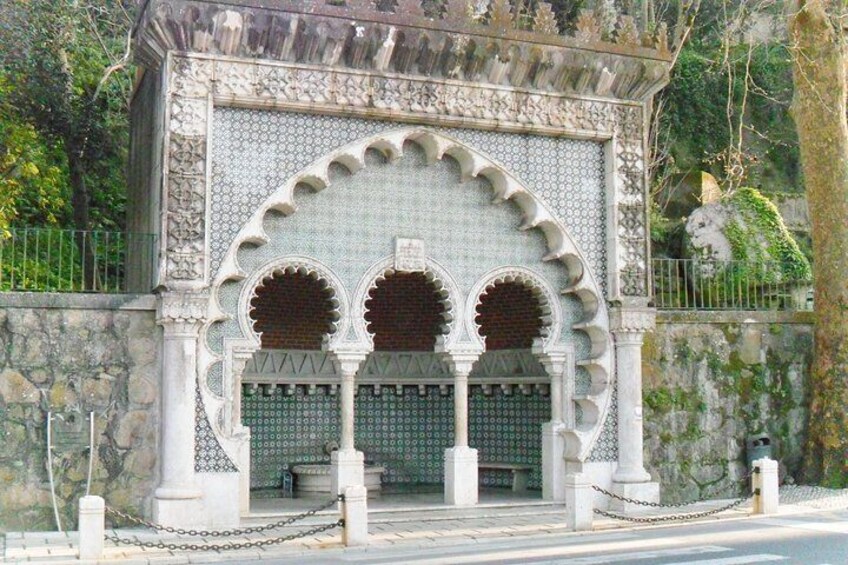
(359, 37)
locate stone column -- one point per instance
(553, 446)
(461, 460)
(630, 478)
(348, 464)
(177, 501)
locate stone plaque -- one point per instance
(409, 255)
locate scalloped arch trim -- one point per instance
(462, 331)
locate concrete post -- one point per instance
(92, 516)
(348, 464)
(355, 514)
(177, 499)
(630, 479)
(579, 508)
(765, 480)
(461, 471)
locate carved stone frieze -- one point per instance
(187, 155)
(186, 194)
(182, 312)
(185, 267)
(459, 43)
(632, 320)
(188, 116)
(441, 101)
(234, 79)
(185, 232)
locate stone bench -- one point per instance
(520, 473)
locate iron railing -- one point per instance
(56, 260)
(700, 284)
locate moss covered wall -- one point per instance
(712, 380)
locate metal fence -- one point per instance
(56, 260)
(699, 284)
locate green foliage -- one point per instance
(762, 220)
(75, 111)
(31, 184)
(694, 116)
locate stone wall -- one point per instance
(712, 380)
(73, 354)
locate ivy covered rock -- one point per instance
(748, 228)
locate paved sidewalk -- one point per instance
(416, 529)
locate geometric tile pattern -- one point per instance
(256, 151)
(209, 456)
(407, 434)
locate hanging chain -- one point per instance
(223, 533)
(668, 517)
(225, 546)
(661, 505)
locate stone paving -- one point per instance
(410, 528)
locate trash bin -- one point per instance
(757, 447)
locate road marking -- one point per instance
(560, 555)
(740, 560)
(827, 527)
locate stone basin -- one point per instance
(315, 478)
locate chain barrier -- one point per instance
(225, 546)
(596, 488)
(223, 533)
(671, 517)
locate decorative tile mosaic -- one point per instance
(606, 448)
(255, 151)
(209, 456)
(407, 434)
(428, 202)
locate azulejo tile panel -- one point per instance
(255, 151)
(407, 434)
(209, 456)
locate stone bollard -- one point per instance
(355, 515)
(92, 517)
(578, 502)
(764, 478)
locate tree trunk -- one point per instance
(80, 205)
(819, 109)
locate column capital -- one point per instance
(554, 359)
(461, 362)
(348, 362)
(632, 320)
(182, 312)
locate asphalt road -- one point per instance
(808, 539)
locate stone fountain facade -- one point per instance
(346, 143)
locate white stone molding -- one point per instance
(548, 300)
(287, 265)
(445, 286)
(442, 102)
(461, 334)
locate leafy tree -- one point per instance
(71, 84)
(69, 78)
(818, 46)
(31, 186)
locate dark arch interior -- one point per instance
(509, 316)
(405, 313)
(293, 311)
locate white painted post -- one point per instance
(355, 514)
(765, 480)
(92, 516)
(578, 502)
